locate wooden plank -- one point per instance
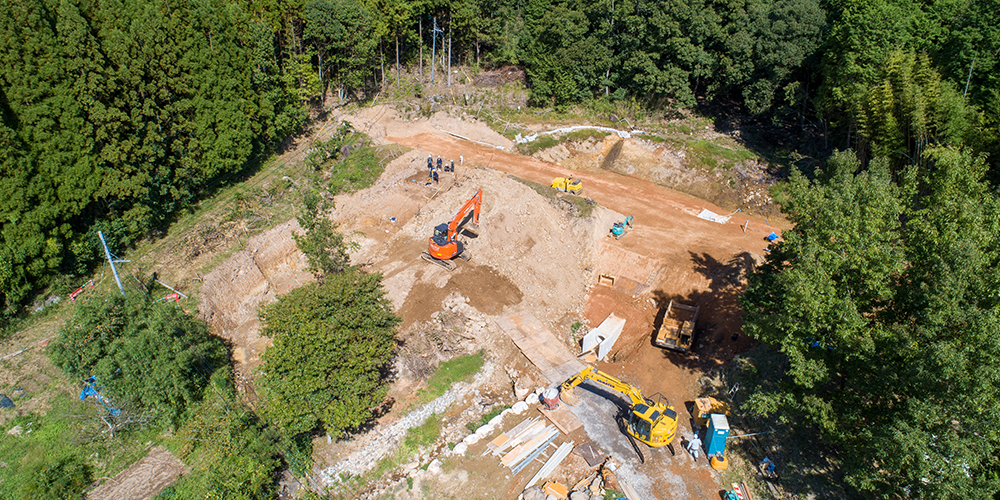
(526, 435)
(588, 452)
(524, 449)
(563, 418)
(531, 456)
(541, 347)
(628, 490)
(551, 464)
(504, 440)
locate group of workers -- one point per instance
(433, 171)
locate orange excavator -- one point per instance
(445, 246)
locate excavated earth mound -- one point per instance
(527, 253)
(232, 294)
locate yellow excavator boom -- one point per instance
(591, 373)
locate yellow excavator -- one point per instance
(568, 184)
(653, 423)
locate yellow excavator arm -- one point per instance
(653, 423)
(591, 373)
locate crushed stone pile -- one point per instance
(385, 439)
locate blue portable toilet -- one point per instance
(718, 431)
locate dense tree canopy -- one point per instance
(115, 114)
(885, 297)
(332, 343)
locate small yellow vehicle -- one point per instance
(568, 184)
(653, 423)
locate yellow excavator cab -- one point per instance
(654, 425)
(568, 184)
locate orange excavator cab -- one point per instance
(444, 245)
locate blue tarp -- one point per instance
(5, 402)
(773, 236)
(91, 389)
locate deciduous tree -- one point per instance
(885, 297)
(333, 341)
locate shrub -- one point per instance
(64, 479)
(147, 355)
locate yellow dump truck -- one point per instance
(568, 184)
(677, 330)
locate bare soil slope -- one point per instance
(142, 480)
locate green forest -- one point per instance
(117, 114)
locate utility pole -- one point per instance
(433, 47)
(107, 253)
(434, 34)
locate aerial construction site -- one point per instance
(600, 306)
(524, 286)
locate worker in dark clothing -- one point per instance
(430, 162)
(434, 174)
(439, 162)
(451, 168)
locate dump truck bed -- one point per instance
(677, 331)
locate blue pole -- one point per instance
(111, 261)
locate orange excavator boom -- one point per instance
(475, 204)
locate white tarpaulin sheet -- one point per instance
(620, 133)
(712, 216)
(604, 336)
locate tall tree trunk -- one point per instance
(449, 54)
(397, 62)
(322, 88)
(381, 55)
(421, 48)
(611, 32)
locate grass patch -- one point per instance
(547, 192)
(457, 369)
(351, 160)
(579, 206)
(475, 424)
(547, 141)
(584, 134)
(707, 154)
(679, 128)
(424, 434)
(362, 168)
(582, 206)
(69, 432)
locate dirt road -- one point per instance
(667, 228)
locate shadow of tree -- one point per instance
(718, 328)
(806, 466)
